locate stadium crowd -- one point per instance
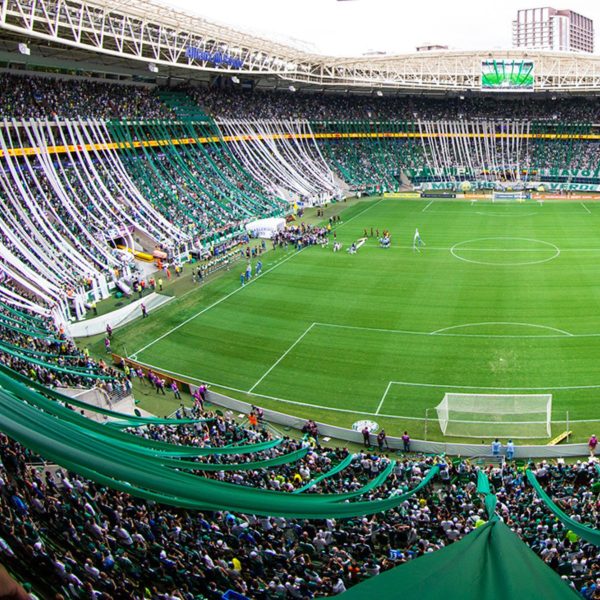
(27, 96)
(200, 188)
(237, 104)
(372, 166)
(89, 541)
(35, 347)
(24, 96)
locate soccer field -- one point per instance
(503, 298)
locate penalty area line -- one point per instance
(298, 340)
(493, 389)
(387, 389)
(188, 378)
(586, 208)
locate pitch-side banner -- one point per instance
(531, 185)
(582, 173)
(572, 187)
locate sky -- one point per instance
(353, 27)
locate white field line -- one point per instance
(586, 208)
(362, 212)
(277, 264)
(206, 309)
(561, 331)
(463, 249)
(298, 340)
(387, 389)
(509, 389)
(427, 206)
(440, 332)
(485, 213)
(186, 377)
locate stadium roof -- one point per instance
(152, 35)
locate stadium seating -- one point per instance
(32, 344)
(162, 167)
(87, 537)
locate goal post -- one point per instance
(518, 416)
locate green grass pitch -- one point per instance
(504, 297)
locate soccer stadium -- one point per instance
(278, 323)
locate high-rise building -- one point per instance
(551, 29)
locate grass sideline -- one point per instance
(503, 295)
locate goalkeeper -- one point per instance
(417, 241)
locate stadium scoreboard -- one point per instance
(507, 75)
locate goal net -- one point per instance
(505, 196)
(496, 415)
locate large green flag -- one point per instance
(491, 563)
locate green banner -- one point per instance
(583, 531)
(106, 459)
(333, 471)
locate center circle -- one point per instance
(505, 251)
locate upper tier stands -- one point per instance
(64, 210)
(237, 104)
(25, 97)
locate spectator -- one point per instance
(253, 421)
(406, 441)
(592, 443)
(175, 390)
(510, 450)
(366, 436)
(382, 440)
(496, 447)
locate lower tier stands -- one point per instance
(87, 539)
